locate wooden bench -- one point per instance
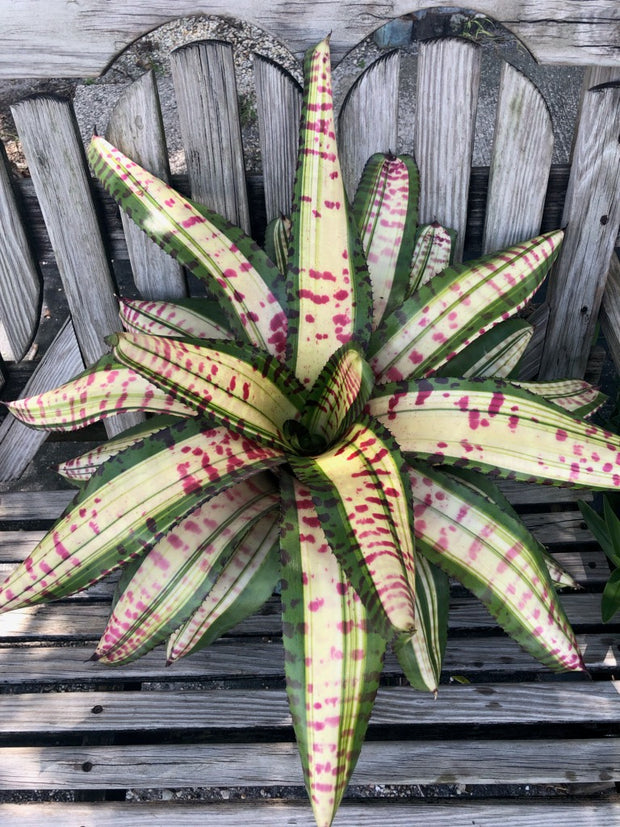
(209, 740)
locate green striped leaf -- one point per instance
(80, 469)
(244, 584)
(245, 389)
(490, 425)
(196, 319)
(496, 353)
(577, 397)
(236, 271)
(129, 504)
(431, 255)
(385, 210)
(421, 654)
(361, 494)
(180, 569)
(106, 389)
(462, 302)
(332, 660)
(339, 394)
(490, 553)
(277, 241)
(328, 285)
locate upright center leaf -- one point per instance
(329, 302)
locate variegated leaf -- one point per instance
(362, 498)
(235, 270)
(421, 654)
(385, 211)
(129, 504)
(332, 659)
(460, 303)
(431, 255)
(179, 570)
(106, 389)
(196, 319)
(80, 469)
(247, 580)
(277, 241)
(491, 554)
(328, 285)
(496, 353)
(339, 394)
(577, 397)
(490, 425)
(245, 389)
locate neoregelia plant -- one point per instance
(336, 429)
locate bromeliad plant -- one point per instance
(336, 430)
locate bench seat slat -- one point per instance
(388, 762)
(560, 705)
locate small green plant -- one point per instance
(336, 428)
(606, 529)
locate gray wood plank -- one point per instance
(206, 91)
(136, 128)
(476, 655)
(520, 163)
(610, 311)
(19, 443)
(20, 285)
(368, 121)
(447, 96)
(79, 40)
(278, 107)
(522, 813)
(55, 155)
(591, 217)
(422, 762)
(80, 619)
(526, 704)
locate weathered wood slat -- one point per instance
(423, 762)
(584, 32)
(368, 120)
(524, 813)
(19, 280)
(206, 92)
(477, 656)
(81, 620)
(136, 128)
(56, 160)
(448, 79)
(278, 108)
(19, 443)
(591, 217)
(522, 151)
(531, 704)
(610, 311)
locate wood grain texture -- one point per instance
(80, 39)
(524, 813)
(204, 81)
(19, 280)
(520, 163)
(423, 762)
(19, 443)
(477, 657)
(448, 80)
(368, 120)
(136, 128)
(531, 704)
(52, 145)
(591, 217)
(610, 311)
(278, 108)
